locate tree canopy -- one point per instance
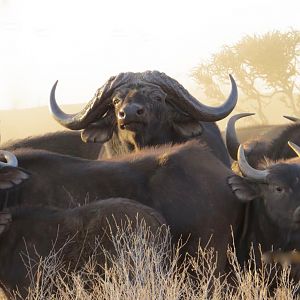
(262, 65)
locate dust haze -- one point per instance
(21, 123)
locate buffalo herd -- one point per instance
(155, 151)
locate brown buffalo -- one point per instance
(28, 232)
(134, 110)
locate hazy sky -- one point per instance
(82, 43)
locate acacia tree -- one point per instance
(262, 66)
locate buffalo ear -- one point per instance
(12, 176)
(242, 188)
(98, 132)
(188, 129)
(5, 220)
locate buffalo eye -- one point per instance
(156, 96)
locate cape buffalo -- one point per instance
(273, 146)
(254, 132)
(64, 142)
(70, 234)
(273, 213)
(134, 110)
(178, 181)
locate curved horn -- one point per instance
(93, 110)
(247, 170)
(185, 101)
(176, 92)
(293, 119)
(232, 141)
(10, 158)
(295, 147)
(79, 120)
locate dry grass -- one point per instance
(146, 266)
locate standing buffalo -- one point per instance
(70, 234)
(272, 195)
(134, 110)
(64, 142)
(179, 182)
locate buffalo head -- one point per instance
(143, 109)
(278, 186)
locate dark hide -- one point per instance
(31, 231)
(64, 142)
(11, 180)
(141, 116)
(271, 146)
(258, 132)
(210, 133)
(279, 148)
(180, 182)
(274, 209)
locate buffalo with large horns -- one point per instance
(134, 110)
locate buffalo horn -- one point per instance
(295, 147)
(93, 110)
(186, 102)
(293, 119)
(247, 170)
(232, 141)
(10, 158)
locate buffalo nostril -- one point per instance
(140, 111)
(121, 114)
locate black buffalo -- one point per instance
(272, 195)
(255, 132)
(64, 142)
(186, 183)
(35, 232)
(134, 110)
(272, 145)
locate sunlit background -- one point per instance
(82, 43)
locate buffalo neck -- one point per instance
(119, 145)
(159, 136)
(262, 231)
